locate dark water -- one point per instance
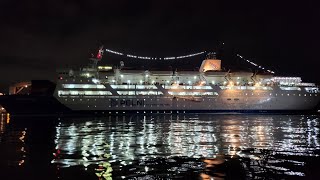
(193, 146)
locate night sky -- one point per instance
(37, 37)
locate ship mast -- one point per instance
(96, 58)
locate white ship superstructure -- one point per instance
(109, 89)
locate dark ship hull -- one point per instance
(32, 104)
(37, 99)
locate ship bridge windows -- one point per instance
(83, 93)
(83, 86)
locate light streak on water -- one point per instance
(131, 138)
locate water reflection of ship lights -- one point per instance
(215, 138)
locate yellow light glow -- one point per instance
(258, 84)
(175, 86)
(8, 118)
(104, 67)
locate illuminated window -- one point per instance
(146, 87)
(126, 92)
(290, 88)
(84, 93)
(192, 93)
(83, 86)
(149, 93)
(187, 87)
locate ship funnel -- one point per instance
(211, 63)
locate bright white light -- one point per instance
(145, 57)
(96, 81)
(114, 52)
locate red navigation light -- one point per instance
(60, 78)
(99, 55)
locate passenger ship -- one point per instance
(114, 90)
(102, 88)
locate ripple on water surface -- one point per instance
(193, 146)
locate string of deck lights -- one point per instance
(179, 57)
(254, 64)
(154, 58)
